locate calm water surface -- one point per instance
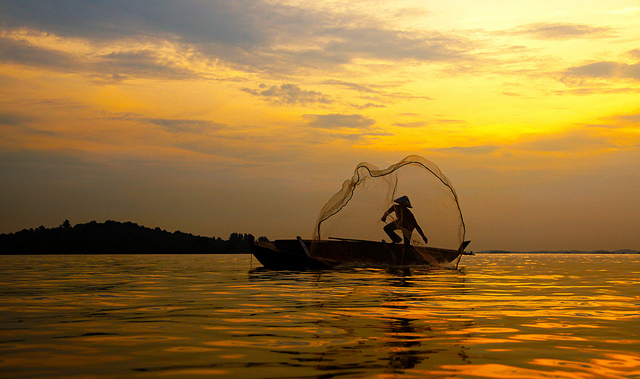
(500, 316)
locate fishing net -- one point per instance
(355, 212)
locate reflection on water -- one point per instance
(500, 316)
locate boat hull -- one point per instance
(306, 254)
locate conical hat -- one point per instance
(403, 200)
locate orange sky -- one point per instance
(215, 117)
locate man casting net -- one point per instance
(374, 205)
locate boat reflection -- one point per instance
(365, 319)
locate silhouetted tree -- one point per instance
(115, 237)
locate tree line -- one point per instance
(113, 237)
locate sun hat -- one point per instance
(403, 200)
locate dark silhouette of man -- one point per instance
(405, 221)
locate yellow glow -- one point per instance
(488, 89)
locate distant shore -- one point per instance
(623, 251)
(113, 237)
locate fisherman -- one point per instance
(405, 221)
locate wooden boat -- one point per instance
(299, 254)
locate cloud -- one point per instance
(367, 105)
(352, 127)
(628, 119)
(248, 35)
(124, 63)
(602, 70)
(22, 52)
(13, 119)
(624, 11)
(559, 31)
(184, 125)
(572, 141)
(172, 125)
(467, 150)
(289, 94)
(226, 22)
(415, 124)
(143, 63)
(352, 86)
(433, 121)
(339, 121)
(393, 45)
(595, 90)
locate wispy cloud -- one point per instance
(627, 119)
(288, 94)
(358, 87)
(337, 121)
(13, 119)
(625, 11)
(185, 125)
(172, 125)
(414, 124)
(573, 141)
(602, 70)
(143, 63)
(467, 150)
(560, 31)
(352, 127)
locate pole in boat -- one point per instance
(461, 252)
(304, 247)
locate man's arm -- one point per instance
(419, 229)
(384, 216)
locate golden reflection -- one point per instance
(499, 371)
(192, 371)
(483, 330)
(616, 365)
(546, 337)
(555, 325)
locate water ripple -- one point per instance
(501, 316)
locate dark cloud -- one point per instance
(289, 94)
(14, 119)
(226, 22)
(143, 63)
(246, 34)
(339, 121)
(556, 31)
(22, 52)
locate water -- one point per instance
(501, 316)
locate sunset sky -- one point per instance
(213, 117)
